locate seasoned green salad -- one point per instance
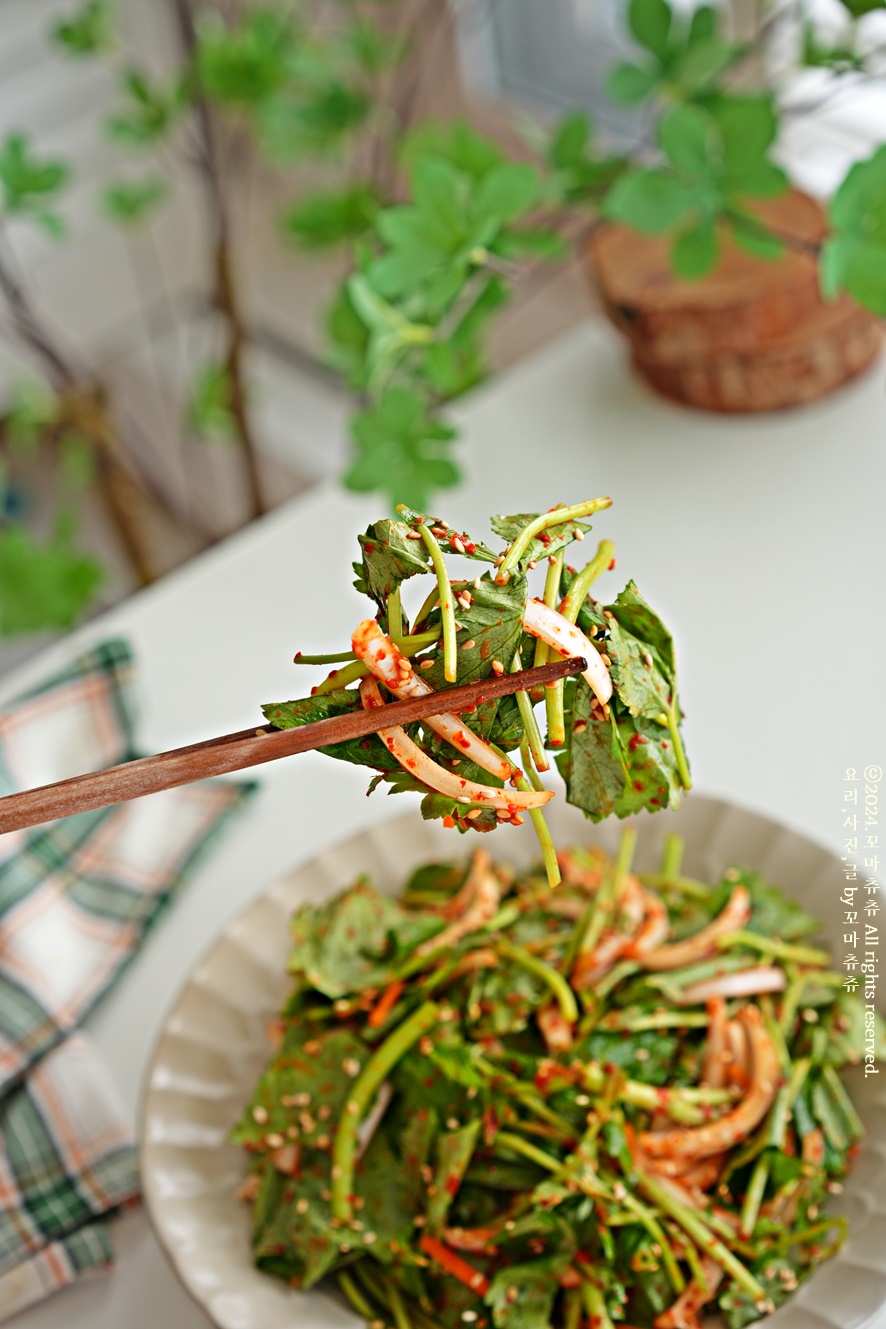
(614, 733)
(615, 1103)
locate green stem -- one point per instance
(695, 1228)
(525, 1095)
(530, 724)
(395, 615)
(606, 899)
(540, 826)
(447, 608)
(791, 1002)
(355, 1296)
(656, 1020)
(584, 580)
(556, 517)
(331, 657)
(429, 603)
(572, 1309)
(771, 946)
(672, 857)
(551, 977)
(776, 1127)
(696, 890)
(409, 646)
(373, 1075)
(672, 716)
(595, 1305)
(551, 598)
(395, 1301)
(750, 1210)
(685, 1104)
(658, 1234)
(529, 767)
(529, 1151)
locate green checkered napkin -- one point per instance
(76, 900)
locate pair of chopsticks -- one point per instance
(253, 747)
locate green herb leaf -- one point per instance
(329, 218)
(87, 31)
(209, 411)
(356, 941)
(854, 256)
(400, 450)
(454, 1152)
(43, 585)
(245, 63)
(629, 83)
(650, 23)
(130, 202)
(650, 200)
(149, 112)
(366, 751)
(27, 181)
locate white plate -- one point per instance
(214, 1045)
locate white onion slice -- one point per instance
(745, 983)
(735, 1126)
(734, 915)
(388, 663)
(566, 639)
(419, 764)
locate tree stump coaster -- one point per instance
(755, 335)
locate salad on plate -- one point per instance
(575, 1098)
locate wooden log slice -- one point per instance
(744, 302)
(833, 344)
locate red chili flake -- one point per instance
(611, 566)
(638, 785)
(453, 1181)
(485, 648)
(543, 537)
(470, 547)
(635, 741)
(370, 548)
(448, 821)
(654, 802)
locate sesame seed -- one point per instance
(426, 664)
(457, 545)
(469, 644)
(605, 658)
(533, 563)
(579, 727)
(469, 1316)
(352, 1107)
(452, 1124)
(260, 1116)
(413, 535)
(274, 1141)
(302, 1206)
(607, 613)
(648, 658)
(462, 798)
(477, 581)
(497, 667)
(578, 533)
(322, 1142)
(810, 1015)
(471, 1091)
(369, 1238)
(516, 820)
(474, 814)
(325, 1112)
(351, 1066)
(582, 1100)
(642, 1054)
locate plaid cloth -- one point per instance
(76, 900)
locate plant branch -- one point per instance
(226, 292)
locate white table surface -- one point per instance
(761, 541)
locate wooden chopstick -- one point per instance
(252, 747)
